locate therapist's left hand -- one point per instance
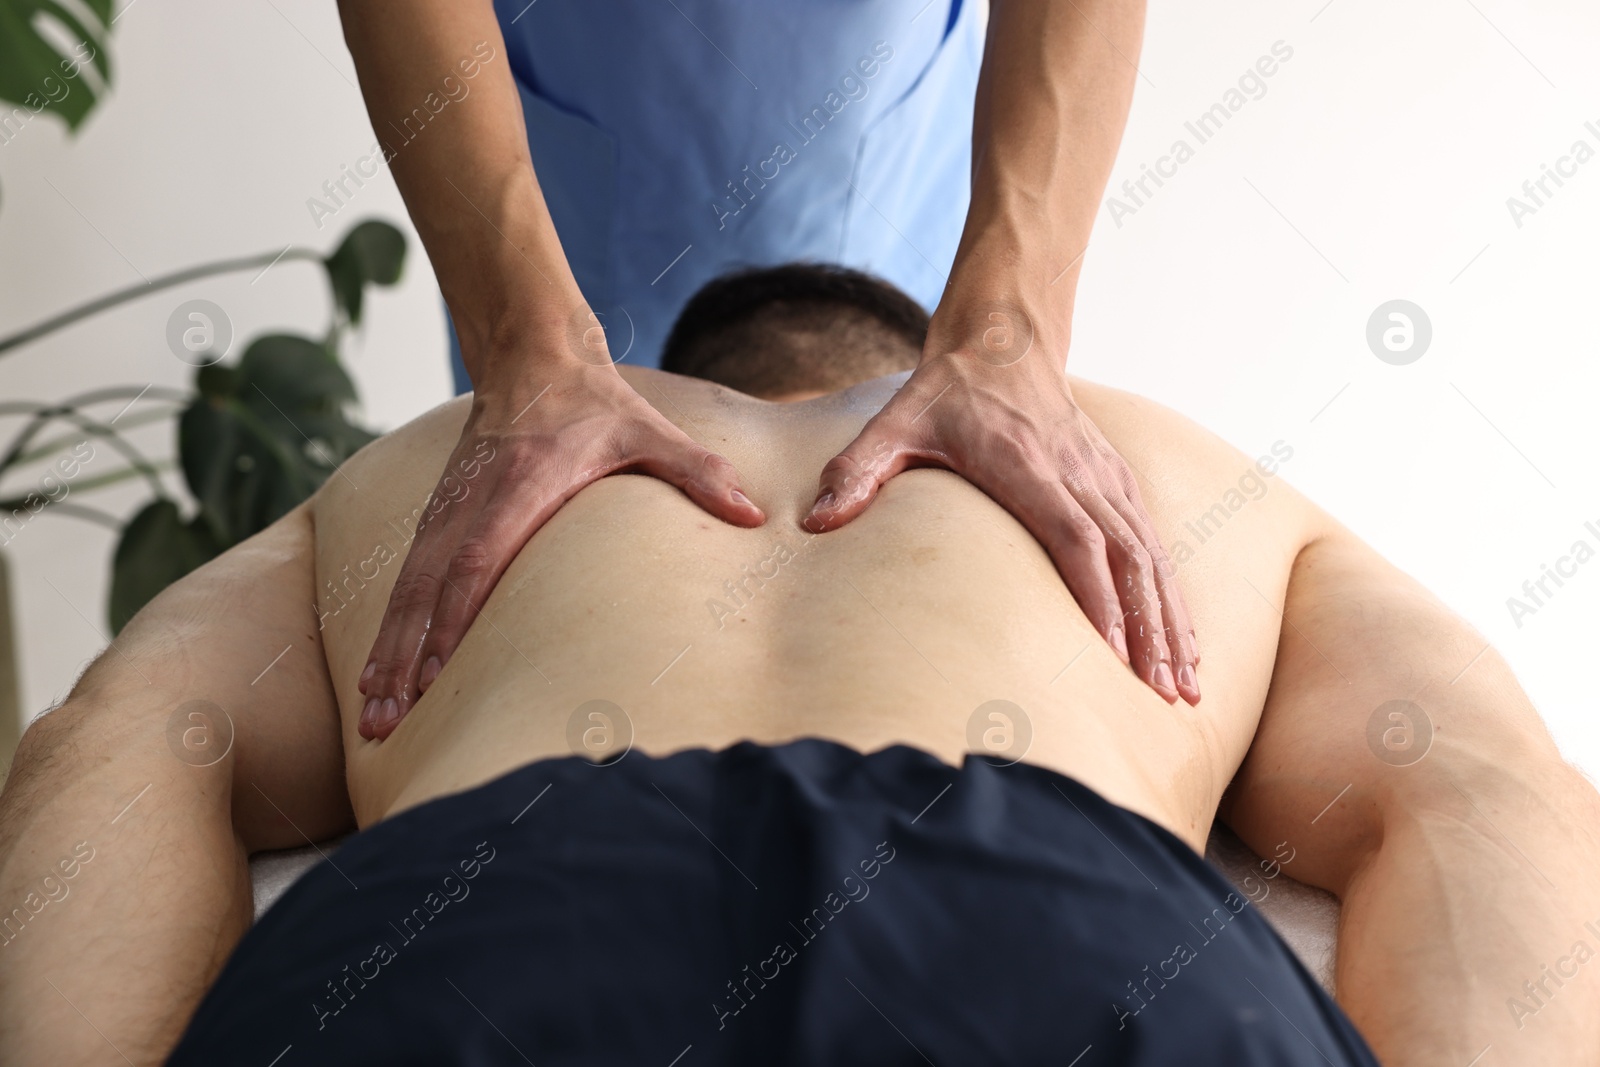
(990, 401)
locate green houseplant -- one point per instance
(46, 51)
(254, 438)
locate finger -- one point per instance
(1182, 623)
(710, 480)
(1076, 545)
(394, 662)
(1134, 574)
(849, 481)
(1175, 609)
(1168, 667)
(498, 534)
(1180, 629)
(1176, 629)
(474, 570)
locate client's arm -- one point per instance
(1404, 769)
(130, 810)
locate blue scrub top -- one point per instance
(675, 140)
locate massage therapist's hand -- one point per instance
(522, 455)
(991, 401)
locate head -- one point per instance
(795, 332)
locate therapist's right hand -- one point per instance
(523, 453)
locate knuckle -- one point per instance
(473, 558)
(385, 679)
(1082, 530)
(1017, 442)
(1138, 560)
(714, 469)
(521, 464)
(417, 590)
(839, 467)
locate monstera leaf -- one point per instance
(157, 548)
(39, 76)
(372, 253)
(263, 435)
(260, 438)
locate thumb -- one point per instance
(852, 479)
(707, 478)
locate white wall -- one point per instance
(1383, 151)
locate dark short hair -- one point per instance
(800, 327)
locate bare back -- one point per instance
(895, 628)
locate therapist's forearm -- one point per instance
(442, 99)
(1052, 101)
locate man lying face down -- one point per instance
(695, 794)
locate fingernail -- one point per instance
(369, 712)
(1119, 641)
(1187, 680)
(824, 502)
(366, 675)
(430, 671)
(1163, 677)
(740, 498)
(389, 712)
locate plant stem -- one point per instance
(134, 457)
(109, 478)
(122, 296)
(98, 396)
(83, 511)
(55, 444)
(43, 413)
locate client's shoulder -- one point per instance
(397, 459)
(1195, 476)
